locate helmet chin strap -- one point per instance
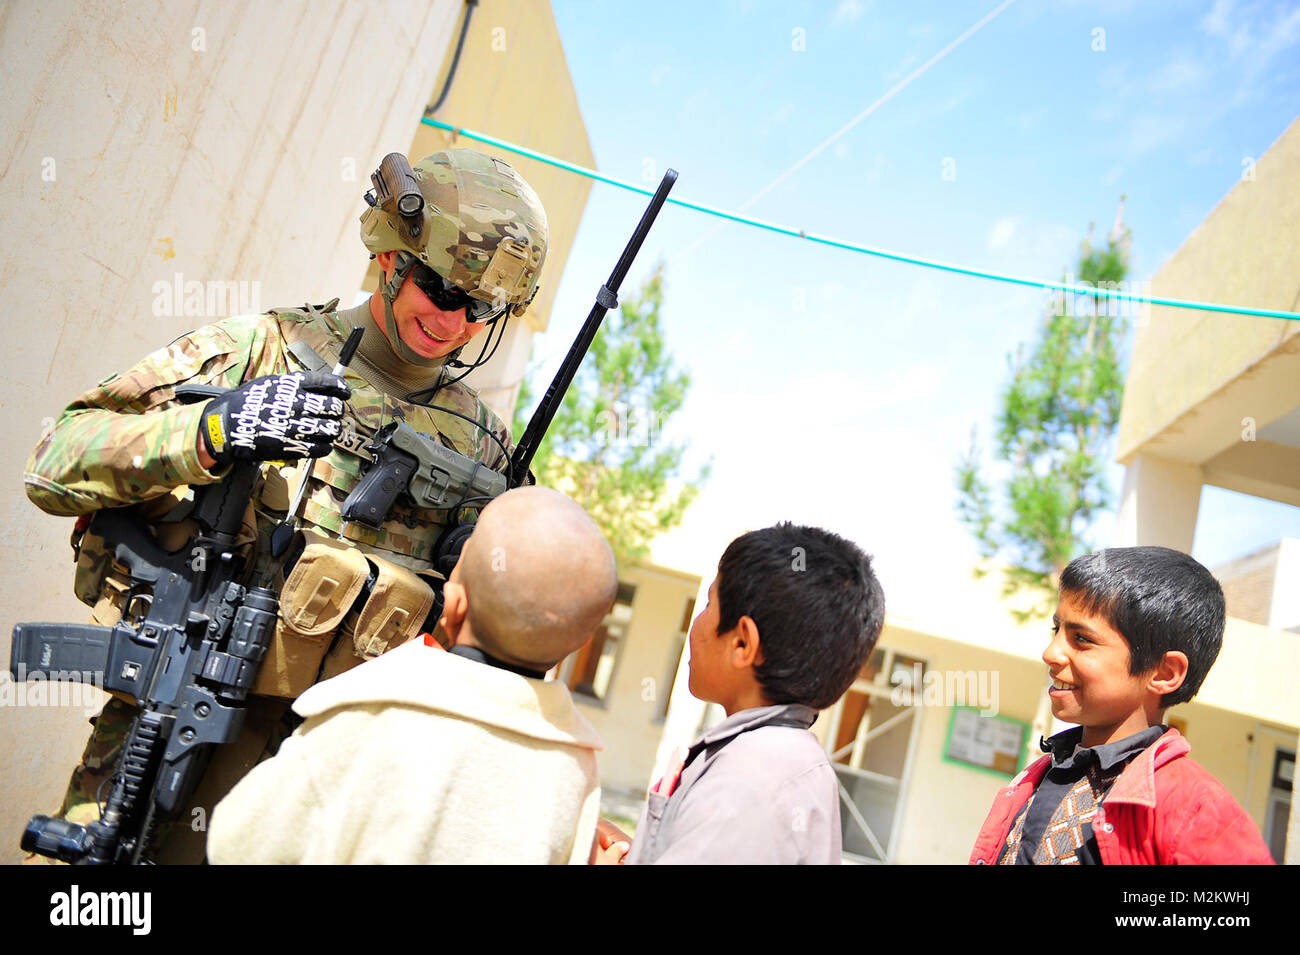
(388, 291)
(403, 263)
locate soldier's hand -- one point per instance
(275, 417)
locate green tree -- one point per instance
(1054, 432)
(606, 446)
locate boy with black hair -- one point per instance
(1136, 630)
(793, 614)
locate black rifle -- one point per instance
(189, 665)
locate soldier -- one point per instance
(464, 262)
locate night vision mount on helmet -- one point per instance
(467, 216)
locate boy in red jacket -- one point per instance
(1136, 630)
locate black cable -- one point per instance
(478, 424)
(499, 330)
(455, 59)
(432, 391)
(464, 495)
(99, 790)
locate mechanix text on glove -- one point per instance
(274, 417)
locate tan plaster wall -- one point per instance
(945, 803)
(244, 160)
(1246, 252)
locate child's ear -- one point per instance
(1169, 673)
(455, 606)
(746, 647)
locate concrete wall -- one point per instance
(1246, 252)
(224, 142)
(1285, 609)
(945, 803)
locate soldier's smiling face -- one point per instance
(426, 329)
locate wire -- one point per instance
(1084, 290)
(478, 424)
(498, 328)
(455, 59)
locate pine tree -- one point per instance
(1055, 430)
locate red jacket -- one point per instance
(1164, 809)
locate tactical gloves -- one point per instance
(275, 417)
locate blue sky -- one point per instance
(837, 388)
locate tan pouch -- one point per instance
(93, 564)
(320, 591)
(398, 605)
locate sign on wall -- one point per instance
(992, 743)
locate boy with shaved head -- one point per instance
(420, 756)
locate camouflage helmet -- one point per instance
(482, 227)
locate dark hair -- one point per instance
(1159, 600)
(817, 605)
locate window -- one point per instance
(589, 670)
(871, 747)
(1279, 803)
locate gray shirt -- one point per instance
(757, 789)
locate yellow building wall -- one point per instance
(629, 719)
(945, 803)
(1246, 252)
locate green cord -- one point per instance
(1085, 290)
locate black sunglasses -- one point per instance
(449, 298)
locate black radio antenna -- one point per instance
(606, 299)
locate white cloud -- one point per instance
(855, 396)
(848, 11)
(1180, 75)
(1021, 239)
(1002, 233)
(875, 169)
(1151, 131)
(904, 68)
(1283, 33)
(1215, 23)
(1248, 30)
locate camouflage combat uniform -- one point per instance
(483, 229)
(127, 441)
